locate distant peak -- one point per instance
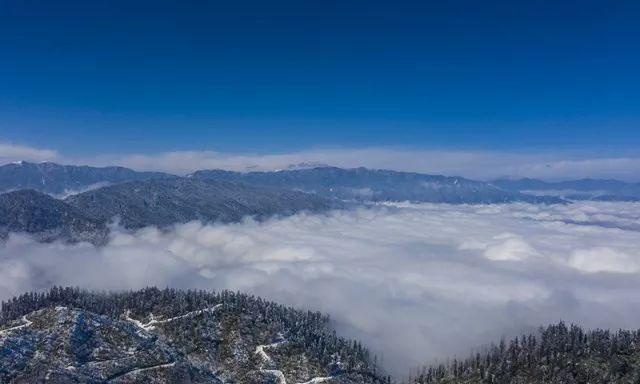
(306, 165)
(24, 163)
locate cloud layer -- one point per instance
(10, 152)
(414, 282)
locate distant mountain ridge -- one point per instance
(163, 202)
(360, 184)
(364, 184)
(59, 179)
(136, 204)
(46, 218)
(582, 189)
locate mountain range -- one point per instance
(155, 202)
(583, 189)
(163, 202)
(47, 218)
(76, 203)
(56, 179)
(358, 184)
(362, 184)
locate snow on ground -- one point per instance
(266, 359)
(159, 366)
(25, 323)
(151, 324)
(316, 380)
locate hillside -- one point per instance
(583, 189)
(158, 336)
(164, 202)
(56, 179)
(68, 335)
(46, 218)
(156, 202)
(558, 354)
(378, 185)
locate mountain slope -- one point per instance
(163, 202)
(556, 355)
(377, 185)
(59, 179)
(153, 336)
(583, 189)
(48, 219)
(156, 336)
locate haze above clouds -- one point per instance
(416, 282)
(474, 164)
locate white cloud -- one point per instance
(509, 247)
(10, 152)
(415, 282)
(604, 259)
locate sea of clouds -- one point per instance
(414, 282)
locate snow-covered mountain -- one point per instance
(59, 179)
(46, 218)
(378, 185)
(169, 336)
(137, 204)
(556, 354)
(67, 335)
(358, 184)
(163, 202)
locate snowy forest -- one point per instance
(558, 354)
(288, 343)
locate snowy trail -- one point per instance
(278, 374)
(139, 370)
(153, 322)
(260, 350)
(316, 380)
(265, 357)
(26, 323)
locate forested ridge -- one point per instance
(218, 332)
(559, 354)
(249, 339)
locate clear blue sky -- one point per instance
(262, 76)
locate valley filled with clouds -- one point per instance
(420, 281)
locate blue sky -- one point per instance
(261, 77)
